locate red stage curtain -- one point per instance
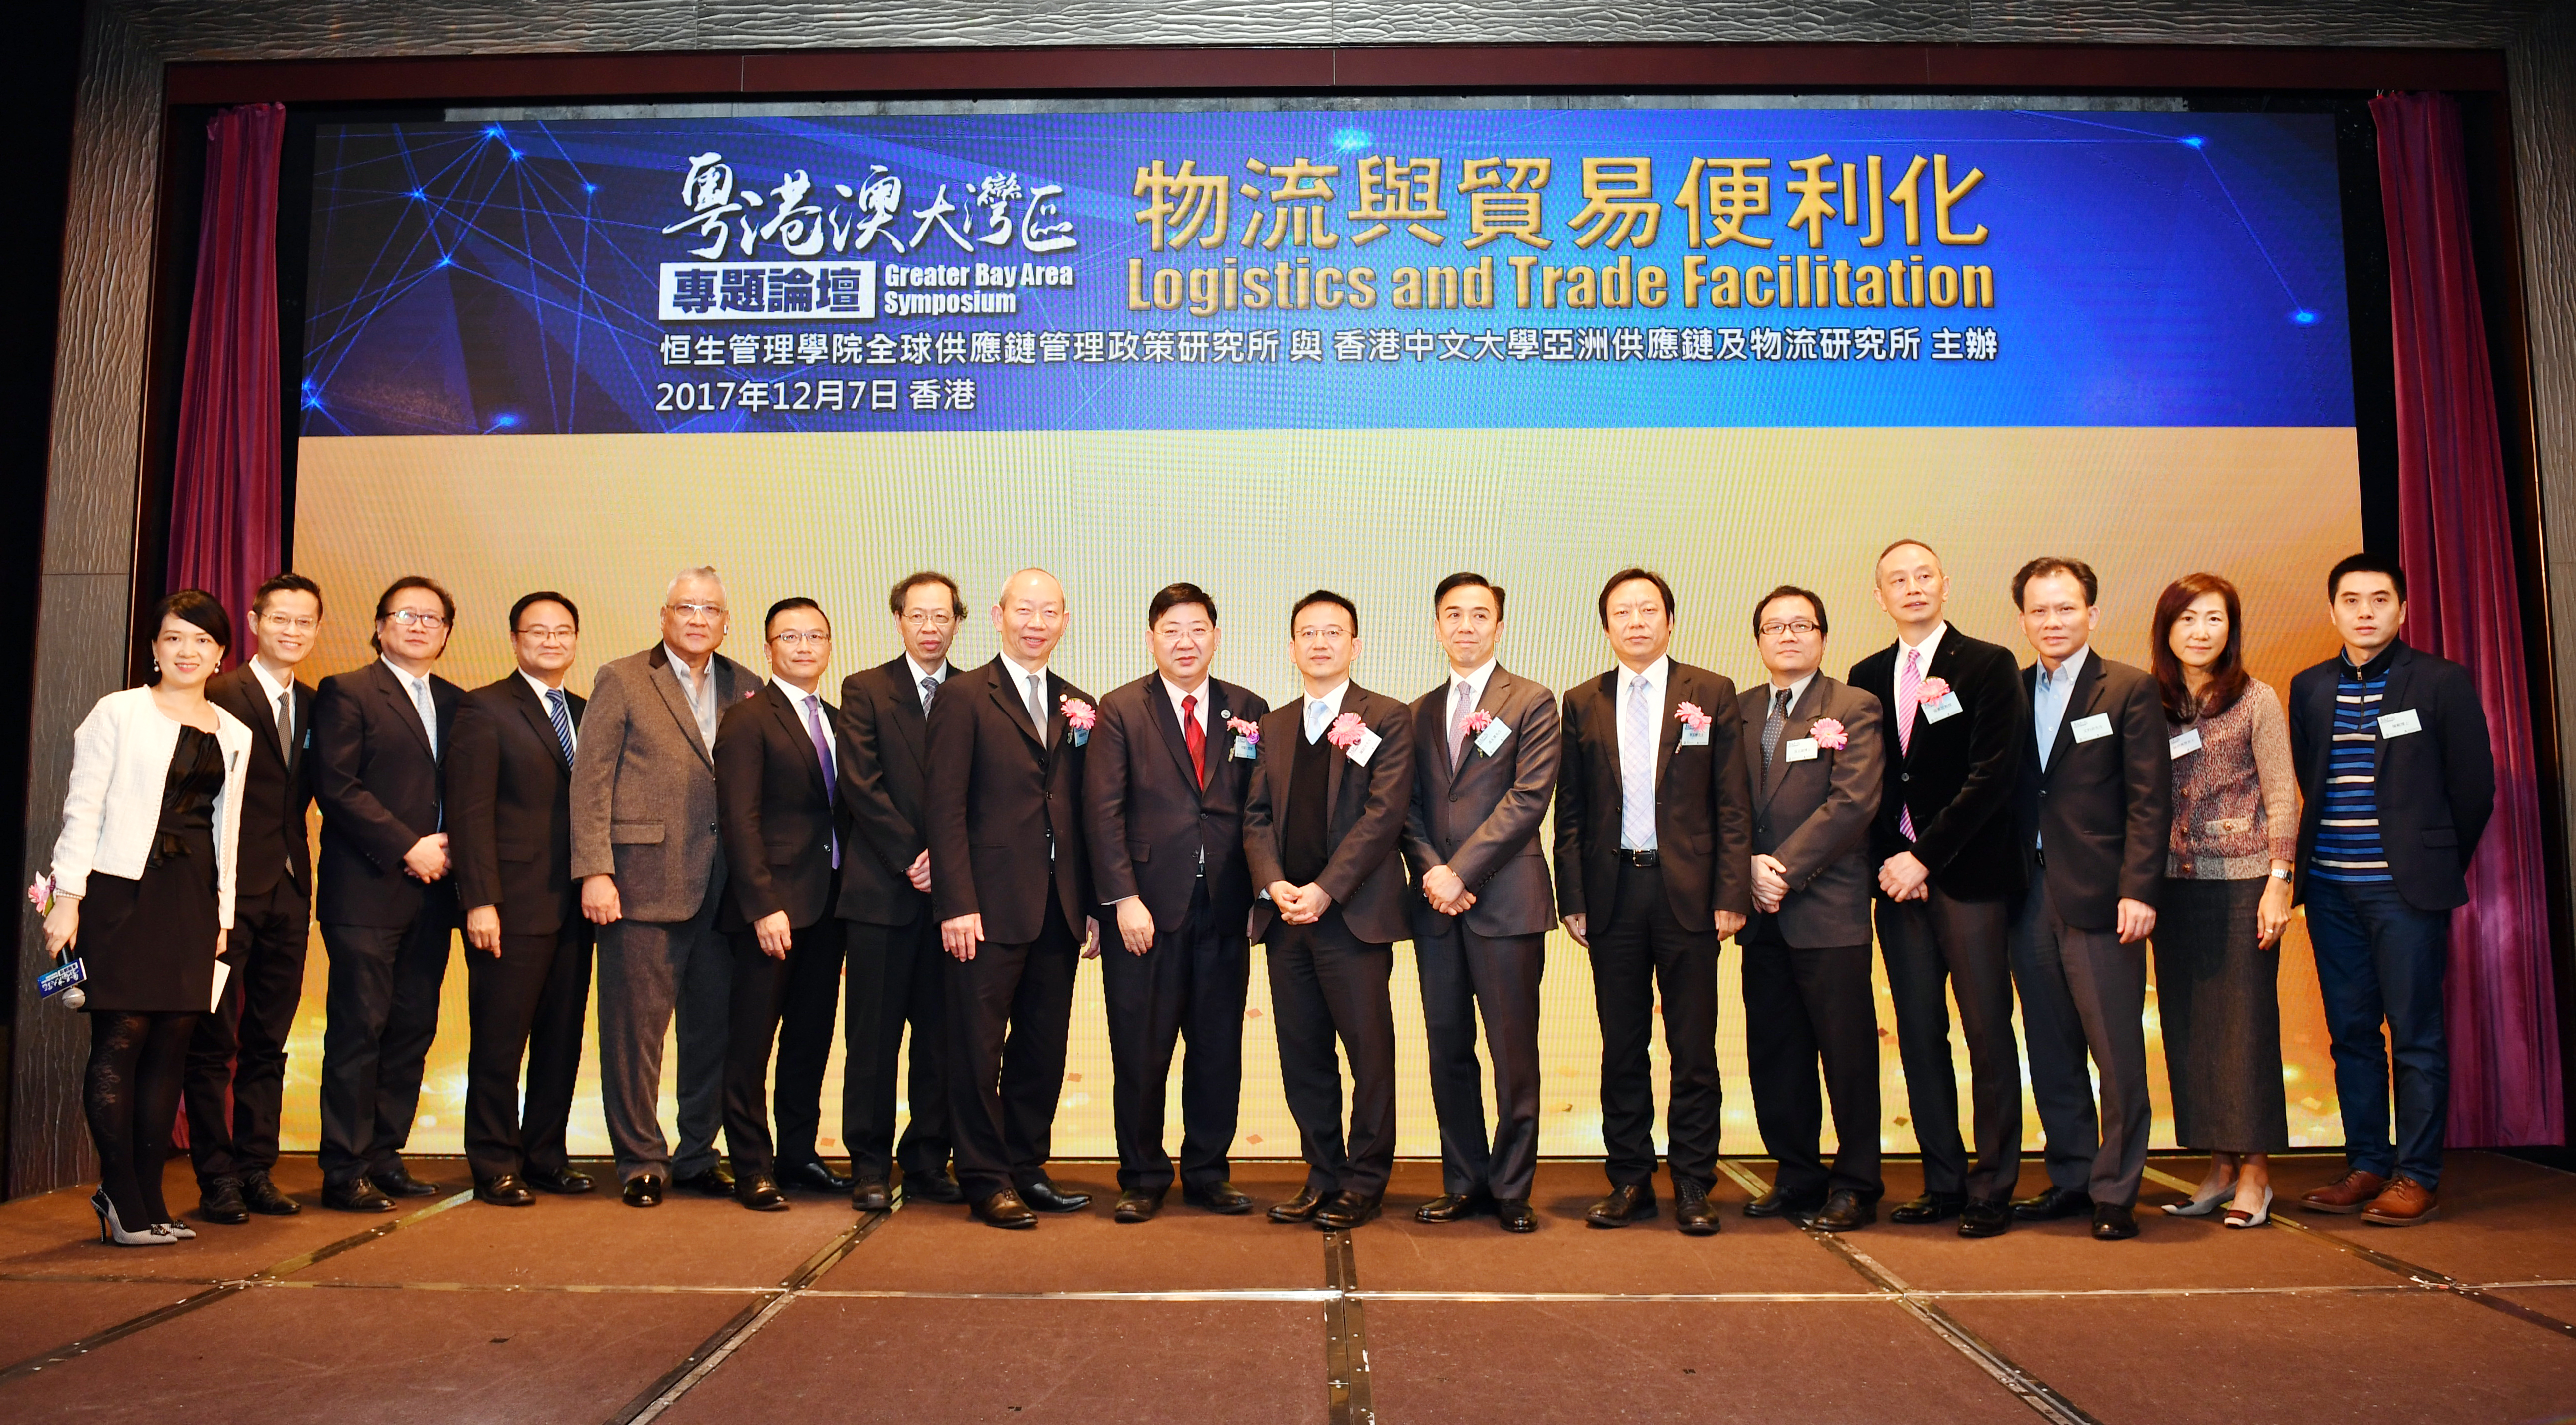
(2457, 543)
(227, 510)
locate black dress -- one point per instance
(150, 943)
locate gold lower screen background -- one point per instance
(1260, 517)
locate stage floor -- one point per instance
(580, 1309)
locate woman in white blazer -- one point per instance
(143, 892)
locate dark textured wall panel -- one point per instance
(2544, 135)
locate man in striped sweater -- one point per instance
(2394, 765)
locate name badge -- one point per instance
(1944, 706)
(1366, 747)
(1080, 735)
(2087, 729)
(1694, 736)
(2398, 724)
(1246, 750)
(2184, 743)
(1492, 737)
(1800, 749)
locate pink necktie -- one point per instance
(1908, 683)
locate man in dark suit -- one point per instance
(1813, 754)
(1947, 872)
(1163, 788)
(2398, 772)
(385, 901)
(1010, 874)
(527, 957)
(775, 775)
(894, 960)
(651, 865)
(1654, 836)
(1485, 753)
(1321, 832)
(2093, 815)
(237, 1056)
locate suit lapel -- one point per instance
(248, 701)
(2079, 699)
(390, 686)
(1005, 686)
(2391, 699)
(666, 680)
(905, 708)
(1334, 762)
(782, 706)
(1669, 738)
(533, 708)
(1494, 689)
(1158, 706)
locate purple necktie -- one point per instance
(823, 754)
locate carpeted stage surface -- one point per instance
(581, 1310)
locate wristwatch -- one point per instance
(2280, 873)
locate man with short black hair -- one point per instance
(2397, 770)
(242, 1045)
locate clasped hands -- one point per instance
(1446, 892)
(1300, 905)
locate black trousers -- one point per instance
(1937, 947)
(1191, 984)
(1326, 983)
(1008, 1011)
(787, 1003)
(1803, 1004)
(525, 1004)
(893, 979)
(382, 1015)
(1462, 971)
(1639, 948)
(236, 1084)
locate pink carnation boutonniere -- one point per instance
(1690, 716)
(1345, 732)
(1828, 734)
(1079, 716)
(1479, 720)
(40, 894)
(1931, 690)
(1248, 731)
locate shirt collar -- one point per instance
(1476, 679)
(2376, 668)
(1023, 669)
(275, 688)
(540, 689)
(2066, 671)
(796, 695)
(1332, 703)
(1657, 674)
(1797, 690)
(680, 666)
(410, 683)
(936, 675)
(1930, 645)
(1174, 691)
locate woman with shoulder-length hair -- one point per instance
(2227, 898)
(143, 892)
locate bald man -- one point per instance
(1010, 880)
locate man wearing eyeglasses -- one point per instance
(775, 772)
(651, 863)
(527, 949)
(894, 977)
(387, 907)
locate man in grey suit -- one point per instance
(1485, 754)
(645, 849)
(2093, 814)
(1817, 766)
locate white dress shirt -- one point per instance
(544, 695)
(1020, 675)
(274, 690)
(809, 708)
(1930, 645)
(423, 701)
(1332, 702)
(1475, 681)
(1198, 714)
(936, 675)
(1634, 755)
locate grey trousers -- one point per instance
(1935, 947)
(648, 970)
(2082, 991)
(1462, 970)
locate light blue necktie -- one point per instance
(1637, 775)
(1317, 710)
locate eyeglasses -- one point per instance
(415, 618)
(698, 610)
(934, 618)
(801, 638)
(555, 634)
(290, 623)
(1796, 627)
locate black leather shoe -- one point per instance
(716, 1181)
(932, 1185)
(812, 1175)
(1986, 1219)
(263, 1197)
(566, 1183)
(1453, 1207)
(871, 1195)
(1005, 1210)
(642, 1190)
(1931, 1207)
(1633, 1203)
(1345, 1210)
(2055, 1203)
(355, 1195)
(2113, 1223)
(397, 1181)
(759, 1192)
(507, 1190)
(1300, 1208)
(1221, 1198)
(1516, 1215)
(1041, 1195)
(1692, 1211)
(1844, 1212)
(1137, 1205)
(221, 1201)
(1797, 1207)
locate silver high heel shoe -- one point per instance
(2202, 1203)
(111, 1230)
(181, 1231)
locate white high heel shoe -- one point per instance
(2202, 1203)
(111, 1230)
(2239, 1217)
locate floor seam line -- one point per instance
(1350, 1398)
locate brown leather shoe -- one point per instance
(2403, 1203)
(2347, 1194)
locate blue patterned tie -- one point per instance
(558, 714)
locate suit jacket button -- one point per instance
(1905, 776)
